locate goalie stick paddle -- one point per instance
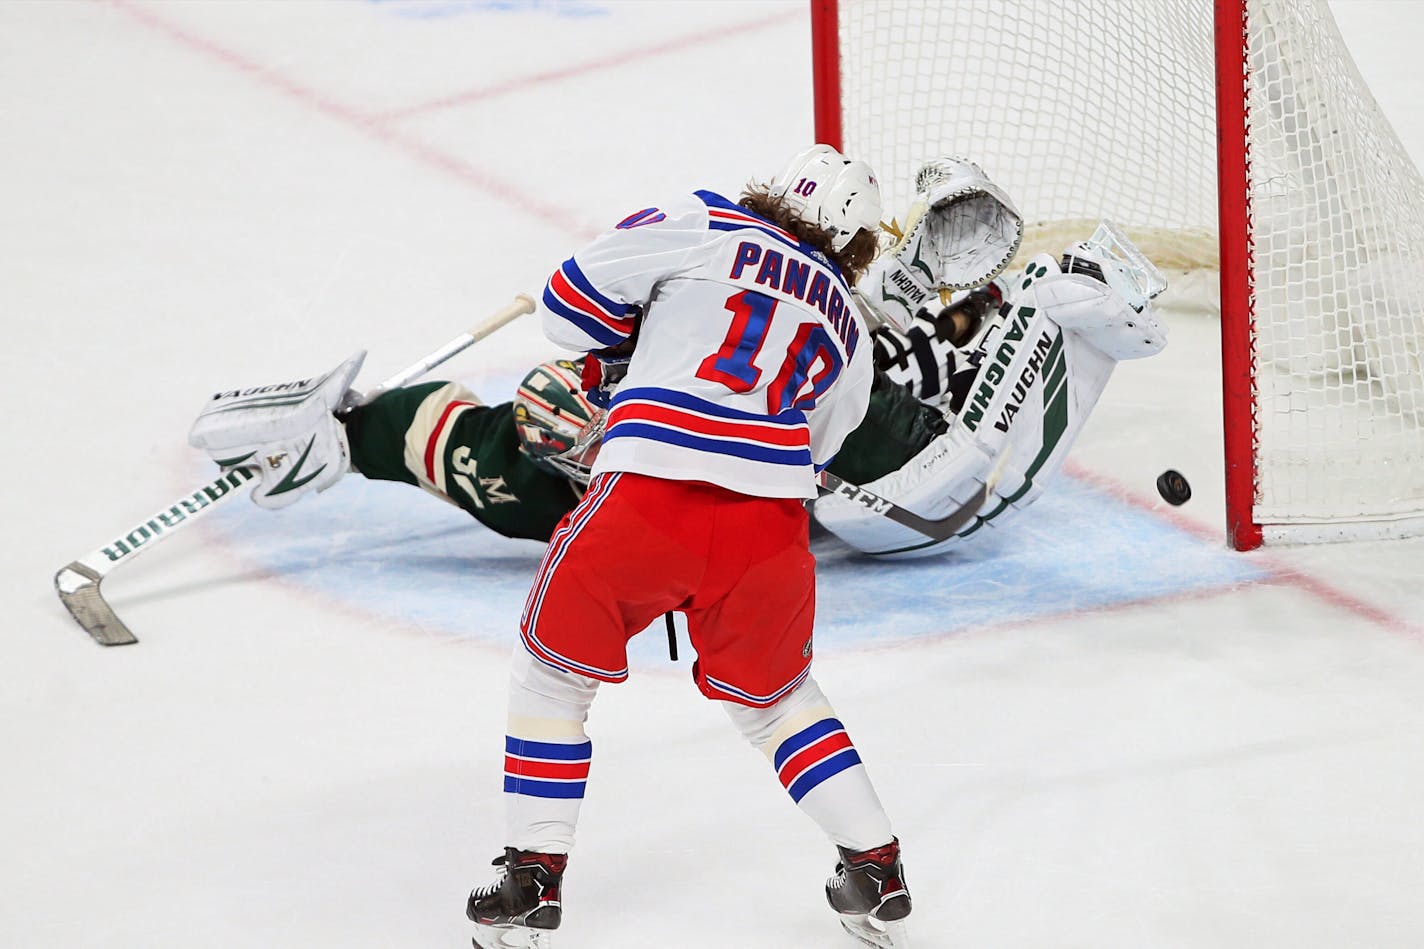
(935, 529)
(78, 583)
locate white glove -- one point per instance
(961, 231)
(287, 433)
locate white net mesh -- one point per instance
(1085, 111)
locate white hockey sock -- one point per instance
(818, 765)
(546, 754)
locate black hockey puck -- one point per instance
(1173, 487)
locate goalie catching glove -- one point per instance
(961, 231)
(287, 434)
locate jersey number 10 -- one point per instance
(794, 386)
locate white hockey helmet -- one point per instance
(559, 429)
(832, 192)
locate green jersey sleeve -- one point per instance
(438, 436)
(896, 428)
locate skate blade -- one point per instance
(512, 937)
(873, 932)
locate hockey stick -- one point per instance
(78, 583)
(522, 304)
(936, 529)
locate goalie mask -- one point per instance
(559, 429)
(832, 192)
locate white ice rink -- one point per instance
(1102, 731)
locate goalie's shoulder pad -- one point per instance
(287, 432)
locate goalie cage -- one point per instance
(1083, 112)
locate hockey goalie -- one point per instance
(986, 392)
(1015, 364)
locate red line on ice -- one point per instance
(609, 62)
(366, 123)
(1278, 572)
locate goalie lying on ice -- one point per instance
(992, 389)
(1027, 384)
(518, 467)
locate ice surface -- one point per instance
(1098, 729)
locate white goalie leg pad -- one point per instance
(1110, 256)
(1097, 313)
(1034, 390)
(287, 433)
(942, 478)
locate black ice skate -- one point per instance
(868, 891)
(521, 908)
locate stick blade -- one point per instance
(78, 589)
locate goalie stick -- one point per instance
(78, 583)
(936, 529)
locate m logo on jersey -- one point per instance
(466, 473)
(496, 491)
(639, 218)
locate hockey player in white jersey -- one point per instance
(751, 405)
(741, 363)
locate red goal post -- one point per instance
(1234, 140)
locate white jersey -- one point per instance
(751, 364)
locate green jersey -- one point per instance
(438, 436)
(897, 426)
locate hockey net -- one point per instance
(1085, 112)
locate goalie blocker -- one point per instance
(288, 433)
(1045, 361)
